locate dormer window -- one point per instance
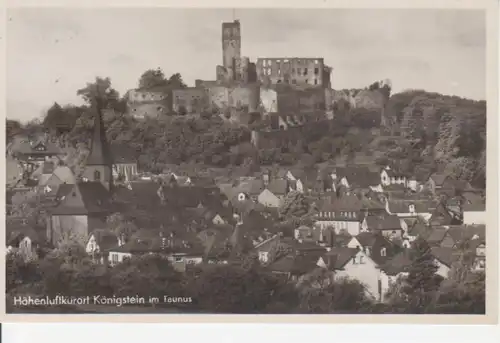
(383, 252)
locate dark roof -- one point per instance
(95, 199)
(293, 264)
(403, 206)
(100, 153)
(359, 176)
(399, 263)
(105, 239)
(438, 178)
(250, 187)
(436, 235)
(386, 222)
(278, 187)
(337, 258)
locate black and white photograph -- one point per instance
(279, 161)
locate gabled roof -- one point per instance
(386, 222)
(359, 176)
(84, 198)
(337, 258)
(293, 264)
(437, 235)
(278, 187)
(250, 187)
(65, 174)
(438, 178)
(398, 264)
(403, 206)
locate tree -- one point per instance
(422, 282)
(294, 205)
(234, 289)
(120, 225)
(100, 90)
(152, 78)
(147, 275)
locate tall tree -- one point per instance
(100, 89)
(422, 281)
(152, 78)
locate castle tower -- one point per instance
(231, 48)
(99, 162)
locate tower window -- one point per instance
(97, 175)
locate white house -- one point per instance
(355, 264)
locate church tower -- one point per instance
(99, 162)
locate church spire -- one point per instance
(99, 150)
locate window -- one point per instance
(298, 71)
(178, 259)
(293, 70)
(305, 71)
(294, 81)
(354, 260)
(315, 81)
(316, 71)
(361, 260)
(114, 258)
(383, 252)
(97, 175)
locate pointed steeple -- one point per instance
(99, 150)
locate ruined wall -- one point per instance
(297, 71)
(292, 99)
(231, 49)
(189, 100)
(150, 110)
(242, 97)
(268, 100)
(148, 103)
(356, 98)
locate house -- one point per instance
(375, 246)
(132, 248)
(436, 182)
(389, 176)
(124, 163)
(342, 214)
(473, 209)
(302, 179)
(99, 243)
(36, 150)
(274, 193)
(410, 208)
(395, 267)
(355, 264)
(442, 216)
(249, 190)
(25, 239)
(268, 250)
(360, 177)
(293, 267)
(60, 175)
(80, 212)
(388, 225)
(416, 227)
(440, 237)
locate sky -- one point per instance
(51, 53)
